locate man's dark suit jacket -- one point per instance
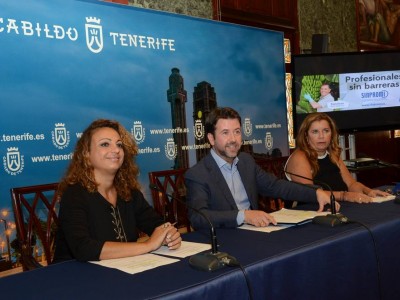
(208, 191)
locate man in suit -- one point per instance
(225, 184)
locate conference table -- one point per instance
(359, 260)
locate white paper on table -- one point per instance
(266, 229)
(136, 264)
(186, 249)
(293, 216)
(380, 199)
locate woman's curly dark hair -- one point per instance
(80, 170)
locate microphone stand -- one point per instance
(333, 219)
(209, 261)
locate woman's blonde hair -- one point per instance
(302, 140)
(80, 170)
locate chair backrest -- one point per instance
(36, 219)
(276, 166)
(170, 182)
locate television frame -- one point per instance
(348, 121)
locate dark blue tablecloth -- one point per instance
(353, 261)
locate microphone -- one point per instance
(333, 219)
(209, 261)
(388, 164)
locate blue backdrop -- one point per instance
(66, 63)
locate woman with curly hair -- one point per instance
(318, 157)
(102, 206)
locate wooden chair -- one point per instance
(36, 219)
(276, 166)
(170, 182)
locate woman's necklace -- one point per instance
(323, 155)
(119, 226)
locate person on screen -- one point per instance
(225, 184)
(101, 206)
(322, 105)
(317, 156)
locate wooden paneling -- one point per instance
(279, 15)
(281, 9)
(383, 146)
(378, 144)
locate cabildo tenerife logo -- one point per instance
(171, 149)
(13, 162)
(95, 37)
(247, 127)
(138, 132)
(198, 130)
(269, 141)
(94, 34)
(60, 136)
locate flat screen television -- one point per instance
(359, 90)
